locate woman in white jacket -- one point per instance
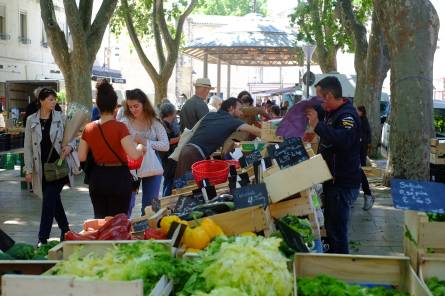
(143, 124)
(44, 130)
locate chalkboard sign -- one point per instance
(288, 153)
(140, 226)
(418, 196)
(250, 158)
(251, 195)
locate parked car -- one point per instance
(439, 124)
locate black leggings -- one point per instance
(110, 190)
(365, 183)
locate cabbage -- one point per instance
(253, 265)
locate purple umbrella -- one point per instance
(295, 121)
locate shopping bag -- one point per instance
(151, 165)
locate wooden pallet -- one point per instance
(432, 266)
(358, 269)
(422, 237)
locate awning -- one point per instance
(112, 75)
(277, 91)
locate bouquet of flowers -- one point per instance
(77, 116)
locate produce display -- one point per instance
(146, 260)
(194, 208)
(239, 266)
(328, 286)
(21, 251)
(436, 286)
(116, 228)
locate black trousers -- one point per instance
(52, 208)
(110, 190)
(365, 183)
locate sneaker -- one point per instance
(369, 202)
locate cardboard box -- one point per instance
(292, 180)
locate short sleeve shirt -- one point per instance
(114, 132)
(214, 129)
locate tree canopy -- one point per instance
(232, 7)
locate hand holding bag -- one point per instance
(151, 165)
(57, 170)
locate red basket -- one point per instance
(214, 170)
(233, 162)
(134, 164)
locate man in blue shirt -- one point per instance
(340, 147)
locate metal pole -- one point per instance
(218, 78)
(228, 81)
(206, 64)
(308, 69)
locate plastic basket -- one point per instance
(216, 171)
(134, 164)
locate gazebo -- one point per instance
(253, 41)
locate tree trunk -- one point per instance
(327, 59)
(160, 91)
(376, 70)
(78, 84)
(410, 29)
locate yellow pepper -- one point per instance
(196, 238)
(212, 229)
(167, 221)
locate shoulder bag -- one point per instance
(57, 170)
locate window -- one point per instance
(23, 23)
(3, 34)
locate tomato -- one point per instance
(153, 233)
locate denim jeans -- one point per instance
(338, 202)
(52, 208)
(168, 187)
(150, 190)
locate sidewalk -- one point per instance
(376, 232)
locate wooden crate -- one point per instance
(422, 236)
(301, 205)
(357, 269)
(269, 135)
(432, 266)
(438, 146)
(26, 266)
(67, 248)
(253, 219)
(289, 181)
(437, 158)
(31, 285)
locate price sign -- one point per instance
(418, 196)
(251, 195)
(288, 153)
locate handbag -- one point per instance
(134, 180)
(184, 139)
(151, 165)
(57, 170)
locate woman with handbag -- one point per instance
(110, 181)
(46, 162)
(146, 128)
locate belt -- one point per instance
(109, 164)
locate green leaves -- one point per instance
(232, 7)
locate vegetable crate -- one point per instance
(24, 285)
(367, 270)
(66, 248)
(301, 205)
(422, 237)
(432, 266)
(252, 219)
(26, 266)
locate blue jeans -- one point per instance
(338, 202)
(168, 187)
(150, 190)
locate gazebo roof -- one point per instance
(252, 41)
